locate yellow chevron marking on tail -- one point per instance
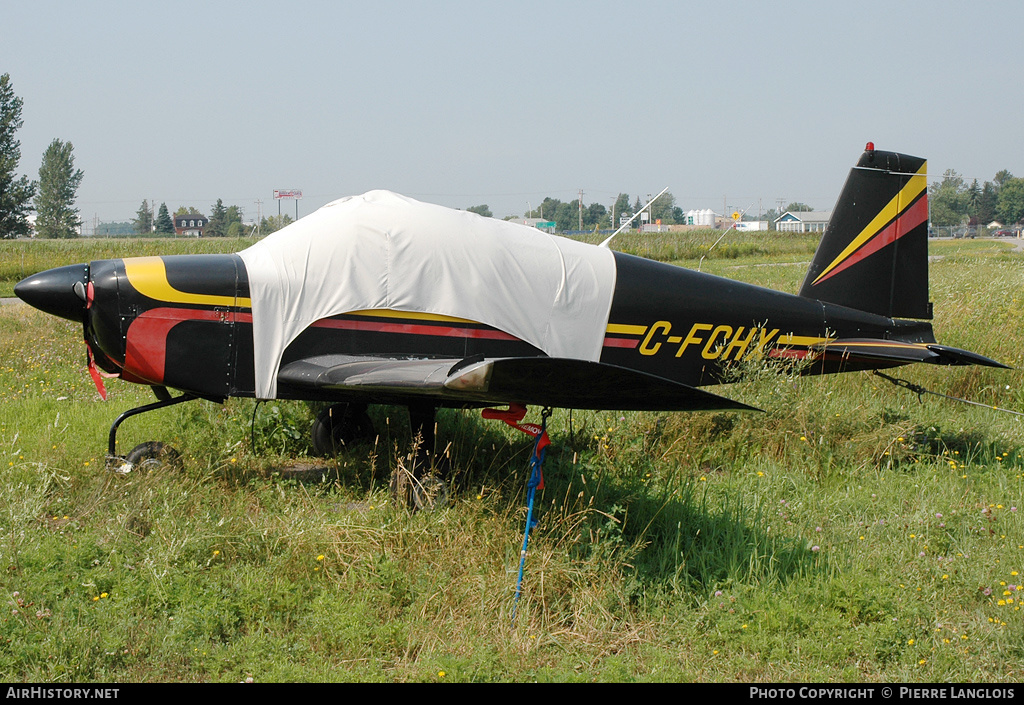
(917, 184)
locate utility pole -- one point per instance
(581, 209)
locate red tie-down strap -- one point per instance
(94, 372)
(512, 416)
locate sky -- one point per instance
(734, 105)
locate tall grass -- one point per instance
(712, 244)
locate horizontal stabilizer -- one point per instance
(544, 381)
(897, 352)
(956, 356)
(874, 349)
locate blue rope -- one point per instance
(536, 463)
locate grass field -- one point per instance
(849, 533)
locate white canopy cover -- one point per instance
(381, 250)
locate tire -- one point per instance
(149, 457)
(339, 426)
(418, 494)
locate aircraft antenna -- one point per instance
(741, 214)
(626, 224)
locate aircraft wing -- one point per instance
(543, 381)
(899, 352)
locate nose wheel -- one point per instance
(153, 452)
(149, 457)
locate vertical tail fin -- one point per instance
(874, 254)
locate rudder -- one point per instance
(874, 254)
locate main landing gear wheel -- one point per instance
(341, 425)
(419, 483)
(424, 493)
(148, 457)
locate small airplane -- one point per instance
(379, 298)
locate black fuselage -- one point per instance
(186, 322)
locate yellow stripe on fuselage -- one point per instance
(414, 315)
(806, 341)
(881, 344)
(625, 329)
(914, 187)
(148, 276)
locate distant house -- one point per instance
(803, 221)
(191, 225)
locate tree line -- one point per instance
(52, 197)
(952, 202)
(573, 215)
(224, 221)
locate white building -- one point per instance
(803, 221)
(704, 217)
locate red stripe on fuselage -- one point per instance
(443, 331)
(145, 354)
